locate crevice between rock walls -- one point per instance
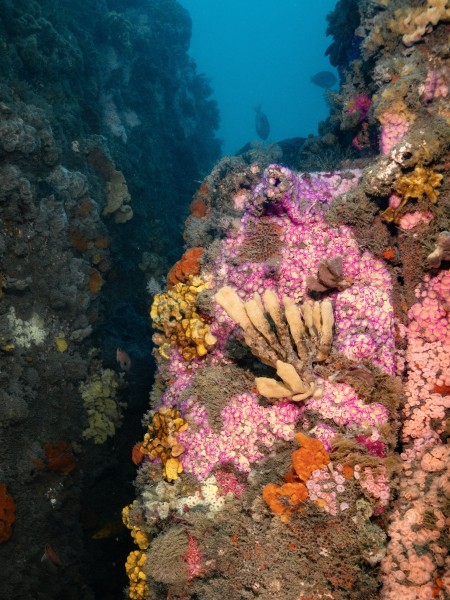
(105, 126)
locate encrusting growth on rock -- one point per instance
(161, 441)
(174, 313)
(422, 182)
(288, 498)
(330, 276)
(7, 514)
(139, 589)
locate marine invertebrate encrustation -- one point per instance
(161, 440)
(310, 327)
(189, 264)
(330, 276)
(422, 182)
(417, 556)
(414, 23)
(175, 314)
(134, 567)
(290, 497)
(26, 333)
(100, 393)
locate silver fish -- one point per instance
(324, 79)
(261, 123)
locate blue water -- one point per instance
(255, 52)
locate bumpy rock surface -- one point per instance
(359, 509)
(99, 105)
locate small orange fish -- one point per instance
(123, 359)
(112, 529)
(51, 557)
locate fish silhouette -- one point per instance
(123, 359)
(50, 558)
(261, 123)
(324, 79)
(111, 529)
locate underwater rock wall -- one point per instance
(98, 103)
(296, 445)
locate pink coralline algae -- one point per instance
(395, 200)
(342, 405)
(361, 104)
(375, 485)
(326, 489)
(418, 552)
(364, 326)
(436, 85)
(411, 220)
(394, 128)
(193, 558)
(246, 426)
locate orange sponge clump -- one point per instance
(95, 282)
(7, 514)
(60, 457)
(189, 264)
(136, 455)
(198, 208)
(310, 457)
(285, 499)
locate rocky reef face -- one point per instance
(296, 443)
(99, 106)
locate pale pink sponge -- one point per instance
(417, 565)
(394, 128)
(411, 220)
(436, 85)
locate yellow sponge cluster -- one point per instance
(139, 537)
(139, 589)
(175, 314)
(414, 23)
(161, 441)
(421, 182)
(104, 411)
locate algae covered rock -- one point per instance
(100, 393)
